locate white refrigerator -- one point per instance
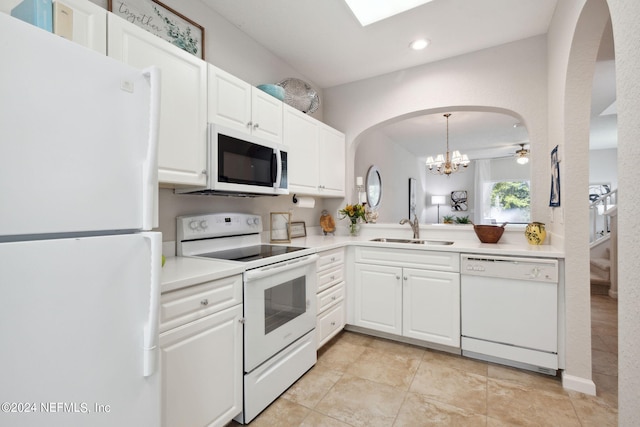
(79, 266)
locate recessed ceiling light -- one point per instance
(419, 44)
(370, 11)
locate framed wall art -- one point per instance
(554, 199)
(163, 21)
(280, 227)
(412, 196)
(459, 201)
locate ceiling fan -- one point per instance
(522, 155)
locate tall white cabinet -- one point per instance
(182, 152)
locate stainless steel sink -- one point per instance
(412, 241)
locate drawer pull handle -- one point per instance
(334, 297)
(333, 323)
(204, 302)
(333, 259)
(333, 277)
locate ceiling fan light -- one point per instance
(522, 160)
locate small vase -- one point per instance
(535, 233)
(354, 228)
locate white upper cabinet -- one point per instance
(183, 113)
(316, 155)
(236, 104)
(82, 22)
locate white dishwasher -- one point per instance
(509, 311)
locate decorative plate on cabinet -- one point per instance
(300, 95)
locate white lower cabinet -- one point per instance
(201, 359)
(417, 303)
(331, 295)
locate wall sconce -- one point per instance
(438, 200)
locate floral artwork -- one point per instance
(164, 22)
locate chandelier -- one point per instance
(448, 163)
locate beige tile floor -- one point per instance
(367, 381)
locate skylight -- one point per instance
(370, 11)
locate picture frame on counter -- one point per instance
(280, 227)
(162, 21)
(298, 229)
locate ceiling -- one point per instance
(324, 41)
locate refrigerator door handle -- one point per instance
(150, 167)
(151, 329)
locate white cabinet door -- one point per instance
(431, 306)
(301, 136)
(202, 371)
(82, 22)
(229, 100)
(331, 158)
(183, 112)
(378, 298)
(236, 104)
(266, 115)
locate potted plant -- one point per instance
(356, 214)
(447, 219)
(463, 220)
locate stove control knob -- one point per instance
(253, 221)
(193, 225)
(203, 224)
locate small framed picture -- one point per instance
(163, 21)
(298, 229)
(554, 199)
(280, 230)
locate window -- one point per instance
(509, 201)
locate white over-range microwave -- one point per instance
(243, 165)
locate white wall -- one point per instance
(603, 167)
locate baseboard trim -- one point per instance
(583, 385)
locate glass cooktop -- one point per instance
(250, 253)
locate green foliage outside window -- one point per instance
(510, 195)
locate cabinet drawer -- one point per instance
(328, 278)
(330, 296)
(417, 258)
(330, 258)
(329, 324)
(188, 304)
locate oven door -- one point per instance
(279, 307)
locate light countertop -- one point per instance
(180, 272)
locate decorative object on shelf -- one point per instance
(448, 219)
(489, 233)
(463, 220)
(522, 155)
(162, 21)
(441, 200)
(300, 95)
(370, 215)
(355, 214)
(327, 223)
(280, 229)
(298, 229)
(459, 200)
(554, 199)
(447, 164)
(535, 233)
(273, 90)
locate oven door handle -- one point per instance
(259, 273)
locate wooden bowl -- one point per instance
(489, 233)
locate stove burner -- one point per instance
(250, 253)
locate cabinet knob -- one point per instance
(241, 320)
(204, 302)
(204, 172)
(256, 126)
(398, 277)
(333, 323)
(249, 124)
(334, 297)
(333, 277)
(405, 278)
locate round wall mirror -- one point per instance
(374, 187)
